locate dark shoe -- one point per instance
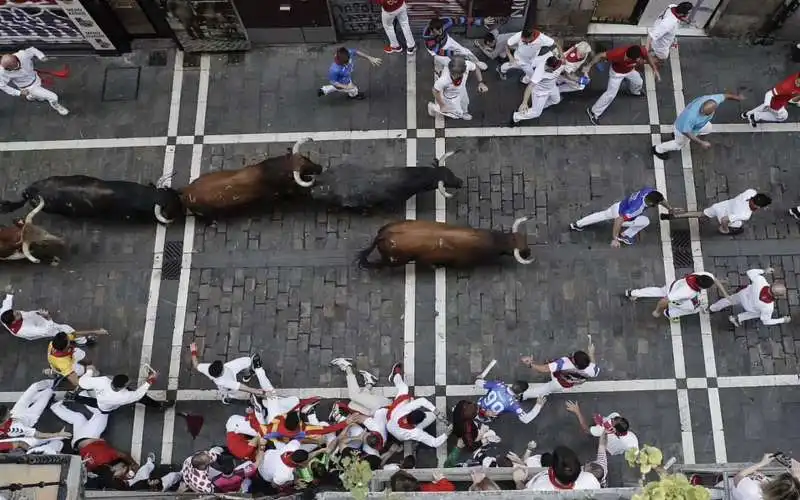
(750, 119)
(662, 156)
(500, 73)
(247, 377)
(795, 212)
(511, 122)
(411, 50)
(320, 93)
(360, 96)
(307, 405)
(592, 117)
(574, 226)
(257, 361)
(626, 240)
(666, 216)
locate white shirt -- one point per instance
(272, 468)
(413, 434)
(680, 291)
(541, 482)
(565, 372)
(615, 444)
(449, 90)
(23, 77)
(664, 30)
(751, 298)
(34, 325)
(107, 398)
(527, 52)
(544, 81)
(747, 489)
(376, 423)
(736, 209)
(226, 382)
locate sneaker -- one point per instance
(307, 405)
(247, 377)
(662, 156)
(392, 50)
(734, 320)
(397, 369)
(592, 117)
(369, 379)
(360, 96)
(500, 73)
(466, 116)
(30, 97)
(629, 295)
(795, 212)
(625, 239)
(432, 110)
(49, 372)
(257, 361)
(574, 226)
(411, 50)
(511, 122)
(342, 363)
(320, 92)
(749, 119)
(225, 399)
(666, 216)
(482, 65)
(151, 457)
(60, 109)
(336, 414)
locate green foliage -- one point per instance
(647, 458)
(672, 487)
(356, 476)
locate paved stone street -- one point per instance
(282, 281)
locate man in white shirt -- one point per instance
(757, 299)
(35, 325)
(495, 45)
(407, 417)
(82, 427)
(277, 466)
(362, 400)
(731, 214)
(680, 298)
(112, 393)
(564, 473)
(542, 89)
(19, 425)
(450, 94)
(619, 437)
(662, 35)
(531, 46)
(17, 69)
(224, 375)
(565, 373)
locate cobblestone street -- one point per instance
(283, 283)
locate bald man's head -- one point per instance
(9, 62)
(778, 290)
(709, 107)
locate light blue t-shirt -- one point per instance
(691, 119)
(342, 73)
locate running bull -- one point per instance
(357, 187)
(210, 194)
(24, 239)
(440, 244)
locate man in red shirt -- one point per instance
(624, 61)
(773, 108)
(391, 10)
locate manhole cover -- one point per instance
(682, 248)
(171, 265)
(121, 84)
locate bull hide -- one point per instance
(355, 186)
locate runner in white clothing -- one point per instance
(661, 36)
(17, 69)
(112, 393)
(35, 325)
(615, 427)
(572, 78)
(407, 417)
(731, 214)
(757, 299)
(18, 427)
(565, 372)
(529, 46)
(681, 297)
(542, 91)
(450, 90)
(224, 374)
(362, 400)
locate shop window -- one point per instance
(132, 17)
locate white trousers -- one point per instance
(50, 447)
(363, 400)
(230, 373)
(401, 14)
(39, 93)
(615, 79)
(632, 226)
(680, 140)
(274, 406)
(525, 66)
(453, 108)
(684, 308)
(439, 62)
(31, 404)
(538, 104)
(44, 329)
(718, 211)
(735, 300)
(350, 91)
(82, 427)
(543, 390)
(78, 355)
(764, 113)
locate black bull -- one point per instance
(355, 186)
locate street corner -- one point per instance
(278, 87)
(105, 98)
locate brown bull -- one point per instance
(225, 191)
(440, 244)
(16, 241)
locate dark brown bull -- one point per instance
(440, 244)
(23, 239)
(228, 190)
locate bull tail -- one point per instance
(11, 206)
(363, 255)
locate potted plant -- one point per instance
(356, 475)
(668, 486)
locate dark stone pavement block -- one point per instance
(693, 345)
(701, 427)
(751, 417)
(503, 312)
(90, 116)
(212, 432)
(279, 88)
(188, 109)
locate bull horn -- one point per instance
(35, 211)
(296, 147)
(26, 251)
(442, 190)
(437, 162)
(517, 223)
(159, 213)
(163, 181)
(299, 180)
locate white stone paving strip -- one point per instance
(440, 308)
(679, 362)
(158, 255)
(709, 359)
(410, 303)
(186, 265)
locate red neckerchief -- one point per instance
(765, 295)
(286, 458)
(15, 326)
(691, 280)
(379, 445)
(403, 423)
(457, 82)
(573, 57)
(552, 476)
(534, 37)
(4, 427)
(62, 354)
(620, 434)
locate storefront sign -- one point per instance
(49, 22)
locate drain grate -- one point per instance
(682, 248)
(173, 255)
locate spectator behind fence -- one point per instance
(750, 484)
